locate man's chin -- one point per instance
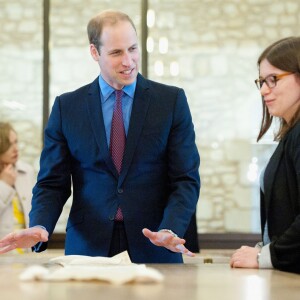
(129, 81)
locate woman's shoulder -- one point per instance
(292, 138)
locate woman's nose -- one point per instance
(264, 89)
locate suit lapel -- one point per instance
(97, 123)
(139, 110)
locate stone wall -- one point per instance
(21, 72)
(214, 45)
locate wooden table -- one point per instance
(192, 280)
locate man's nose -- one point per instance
(126, 60)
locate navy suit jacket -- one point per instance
(157, 188)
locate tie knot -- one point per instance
(119, 94)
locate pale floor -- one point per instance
(196, 279)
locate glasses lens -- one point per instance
(271, 81)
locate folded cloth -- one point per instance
(115, 270)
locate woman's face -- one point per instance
(12, 153)
(282, 100)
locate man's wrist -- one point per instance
(170, 231)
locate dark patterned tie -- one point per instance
(117, 140)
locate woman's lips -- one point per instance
(268, 102)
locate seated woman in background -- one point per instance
(16, 182)
(279, 85)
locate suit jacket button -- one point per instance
(120, 191)
(111, 217)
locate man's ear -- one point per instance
(94, 52)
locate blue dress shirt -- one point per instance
(108, 98)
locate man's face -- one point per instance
(119, 54)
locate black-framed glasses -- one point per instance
(270, 80)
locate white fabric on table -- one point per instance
(117, 270)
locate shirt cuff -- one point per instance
(170, 231)
(36, 248)
(259, 245)
(265, 258)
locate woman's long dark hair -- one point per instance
(284, 55)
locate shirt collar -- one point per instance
(107, 90)
(20, 167)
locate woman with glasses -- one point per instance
(279, 85)
(16, 182)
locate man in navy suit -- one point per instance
(157, 188)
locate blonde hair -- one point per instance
(5, 129)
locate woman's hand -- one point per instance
(245, 257)
(8, 174)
